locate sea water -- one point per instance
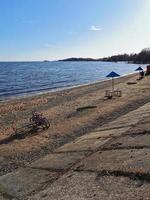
(27, 78)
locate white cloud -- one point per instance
(95, 28)
(47, 45)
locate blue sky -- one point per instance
(55, 29)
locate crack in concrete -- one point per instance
(142, 176)
(125, 148)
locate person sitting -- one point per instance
(141, 75)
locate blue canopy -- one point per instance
(139, 69)
(112, 74)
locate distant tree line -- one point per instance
(142, 58)
(79, 59)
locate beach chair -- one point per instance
(108, 94)
(116, 93)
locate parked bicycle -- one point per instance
(37, 121)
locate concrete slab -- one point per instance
(91, 141)
(58, 161)
(83, 145)
(129, 119)
(140, 127)
(91, 186)
(118, 124)
(105, 134)
(133, 142)
(121, 122)
(117, 160)
(24, 181)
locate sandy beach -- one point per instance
(71, 113)
(95, 148)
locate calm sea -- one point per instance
(25, 78)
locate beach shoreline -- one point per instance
(32, 79)
(53, 91)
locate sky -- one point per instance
(57, 29)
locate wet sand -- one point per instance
(72, 113)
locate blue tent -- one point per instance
(139, 69)
(112, 75)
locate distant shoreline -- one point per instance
(136, 58)
(100, 60)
